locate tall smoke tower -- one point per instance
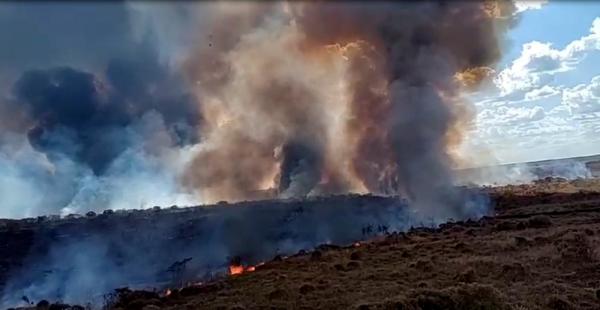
(326, 96)
(202, 102)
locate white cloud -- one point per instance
(577, 49)
(524, 5)
(559, 111)
(510, 115)
(545, 91)
(550, 127)
(531, 114)
(583, 98)
(534, 68)
(539, 62)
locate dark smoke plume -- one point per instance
(371, 90)
(300, 169)
(291, 98)
(73, 113)
(106, 127)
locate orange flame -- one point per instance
(239, 269)
(233, 270)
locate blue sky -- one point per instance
(557, 21)
(544, 100)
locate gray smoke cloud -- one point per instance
(238, 100)
(93, 118)
(317, 97)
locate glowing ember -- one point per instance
(233, 270)
(239, 269)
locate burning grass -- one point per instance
(512, 261)
(529, 256)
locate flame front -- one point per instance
(235, 269)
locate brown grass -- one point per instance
(514, 261)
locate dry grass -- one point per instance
(513, 261)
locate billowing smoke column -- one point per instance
(84, 127)
(134, 105)
(322, 96)
(72, 117)
(106, 126)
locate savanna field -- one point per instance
(538, 251)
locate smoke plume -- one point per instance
(109, 126)
(239, 100)
(316, 97)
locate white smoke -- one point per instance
(143, 176)
(524, 173)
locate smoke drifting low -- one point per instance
(241, 100)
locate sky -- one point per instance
(542, 104)
(108, 75)
(544, 100)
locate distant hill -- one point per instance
(568, 168)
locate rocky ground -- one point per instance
(541, 250)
